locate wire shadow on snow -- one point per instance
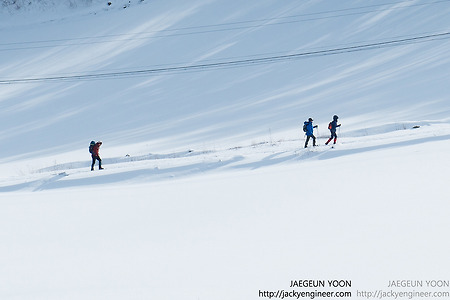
(140, 176)
(36, 185)
(271, 160)
(345, 152)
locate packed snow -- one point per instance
(208, 191)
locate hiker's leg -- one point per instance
(307, 140)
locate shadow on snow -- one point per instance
(152, 174)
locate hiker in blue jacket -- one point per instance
(332, 127)
(309, 129)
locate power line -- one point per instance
(204, 29)
(232, 63)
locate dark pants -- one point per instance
(94, 158)
(333, 135)
(307, 140)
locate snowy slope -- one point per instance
(231, 223)
(207, 191)
(166, 111)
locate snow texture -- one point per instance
(208, 191)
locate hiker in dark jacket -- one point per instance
(96, 156)
(333, 126)
(310, 132)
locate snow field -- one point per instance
(194, 240)
(276, 213)
(208, 192)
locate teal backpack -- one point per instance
(91, 146)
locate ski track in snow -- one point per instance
(158, 167)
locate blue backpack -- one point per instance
(91, 146)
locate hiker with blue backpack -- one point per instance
(93, 149)
(332, 126)
(308, 128)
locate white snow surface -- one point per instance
(207, 191)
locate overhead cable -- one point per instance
(231, 63)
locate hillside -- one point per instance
(208, 191)
(165, 110)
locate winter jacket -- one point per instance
(96, 148)
(309, 128)
(334, 125)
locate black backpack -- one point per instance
(304, 127)
(91, 146)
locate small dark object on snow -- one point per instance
(416, 126)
